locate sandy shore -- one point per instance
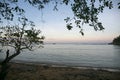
(21, 71)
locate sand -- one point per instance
(22, 71)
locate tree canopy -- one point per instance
(116, 41)
(85, 11)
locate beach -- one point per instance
(26, 71)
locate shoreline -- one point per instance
(63, 65)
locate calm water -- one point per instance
(74, 55)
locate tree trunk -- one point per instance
(5, 66)
(4, 70)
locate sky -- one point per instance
(53, 26)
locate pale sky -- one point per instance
(53, 26)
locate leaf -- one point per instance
(69, 27)
(100, 26)
(106, 3)
(81, 32)
(118, 7)
(67, 19)
(66, 1)
(91, 25)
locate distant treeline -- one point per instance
(116, 41)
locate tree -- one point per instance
(18, 38)
(116, 41)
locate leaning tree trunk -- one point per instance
(5, 66)
(4, 70)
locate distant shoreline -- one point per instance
(77, 43)
(114, 44)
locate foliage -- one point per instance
(18, 38)
(119, 5)
(116, 40)
(9, 8)
(85, 11)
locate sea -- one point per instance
(72, 55)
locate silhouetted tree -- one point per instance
(18, 38)
(116, 41)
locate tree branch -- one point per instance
(12, 56)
